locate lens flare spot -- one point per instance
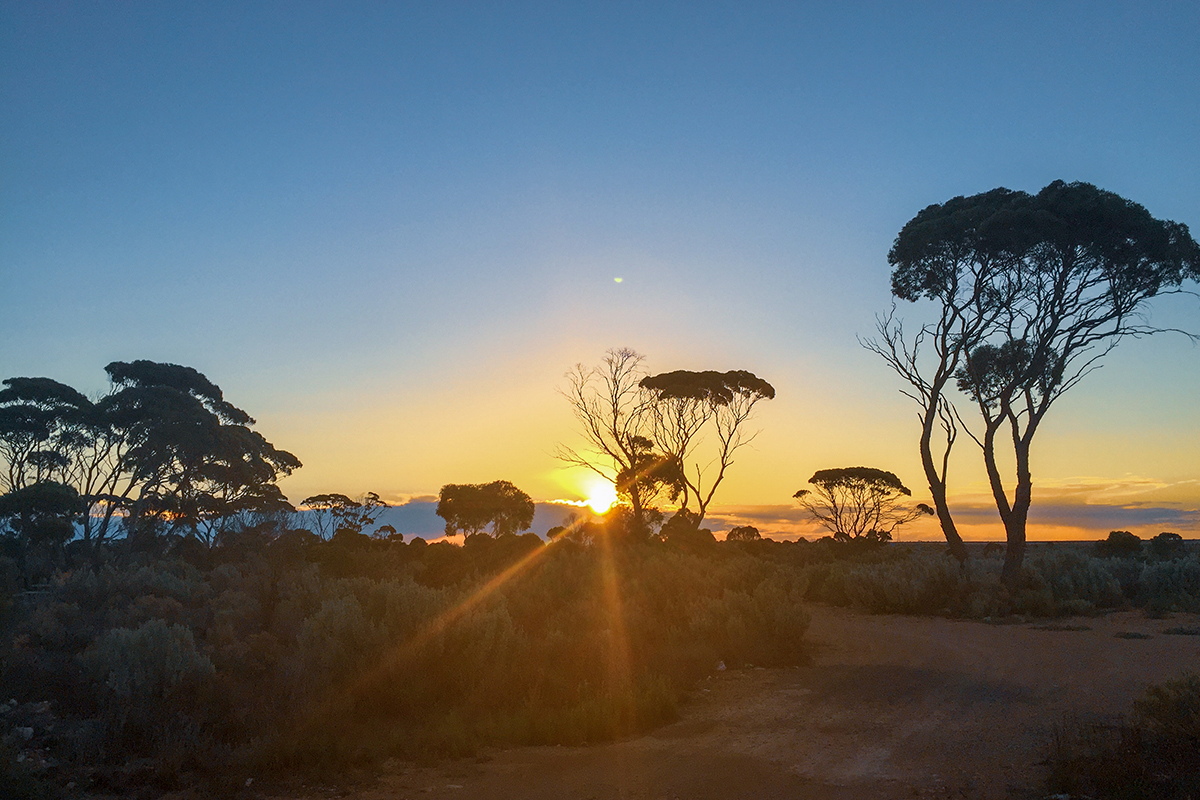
(618, 280)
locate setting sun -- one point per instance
(601, 496)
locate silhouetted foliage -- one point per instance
(1032, 292)
(743, 533)
(683, 530)
(332, 513)
(278, 651)
(163, 452)
(470, 507)
(647, 430)
(1119, 544)
(39, 517)
(1167, 545)
(685, 406)
(859, 503)
(614, 418)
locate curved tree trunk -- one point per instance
(937, 486)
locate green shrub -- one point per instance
(144, 676)
(327, 656)
(1172, 585)
(1054, 581)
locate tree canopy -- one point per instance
(470, 507)
(859, 502)
(684, 407)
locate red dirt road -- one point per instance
(892, 707)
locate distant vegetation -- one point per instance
(1056, 579)
(860, 504)
(273, 652)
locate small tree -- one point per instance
(39, 517)
(332, 513)
(743, 533)
(1120, 544)
(859, 503)
(470, 507)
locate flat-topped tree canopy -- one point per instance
(715, 387)
(44, 393)
(930, 251)
(684, 405)
(1110, 239)
(859, 503)
(845, 476)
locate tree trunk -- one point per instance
(937, 488)
(1017, 518)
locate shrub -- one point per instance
(1155, 755)
(1171, 585)
(1166, 546)
(1119, 544)
(743, 533)
(335, 653)
(145, 678)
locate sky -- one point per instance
(388, 230)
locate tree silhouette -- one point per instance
(859, 503)
(330, 514)
(38, 417)
(688, 405)
(39, 516)
(163, 450)
(1033, 291)
(743, 533)
(470, 507)
(191, 453)
(953, 254)
(615, 419)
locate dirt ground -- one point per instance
(891, 707)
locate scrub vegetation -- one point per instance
(279, 652)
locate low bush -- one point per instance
(1154, 754)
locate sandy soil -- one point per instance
(892, 707)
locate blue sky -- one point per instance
(387, 229)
